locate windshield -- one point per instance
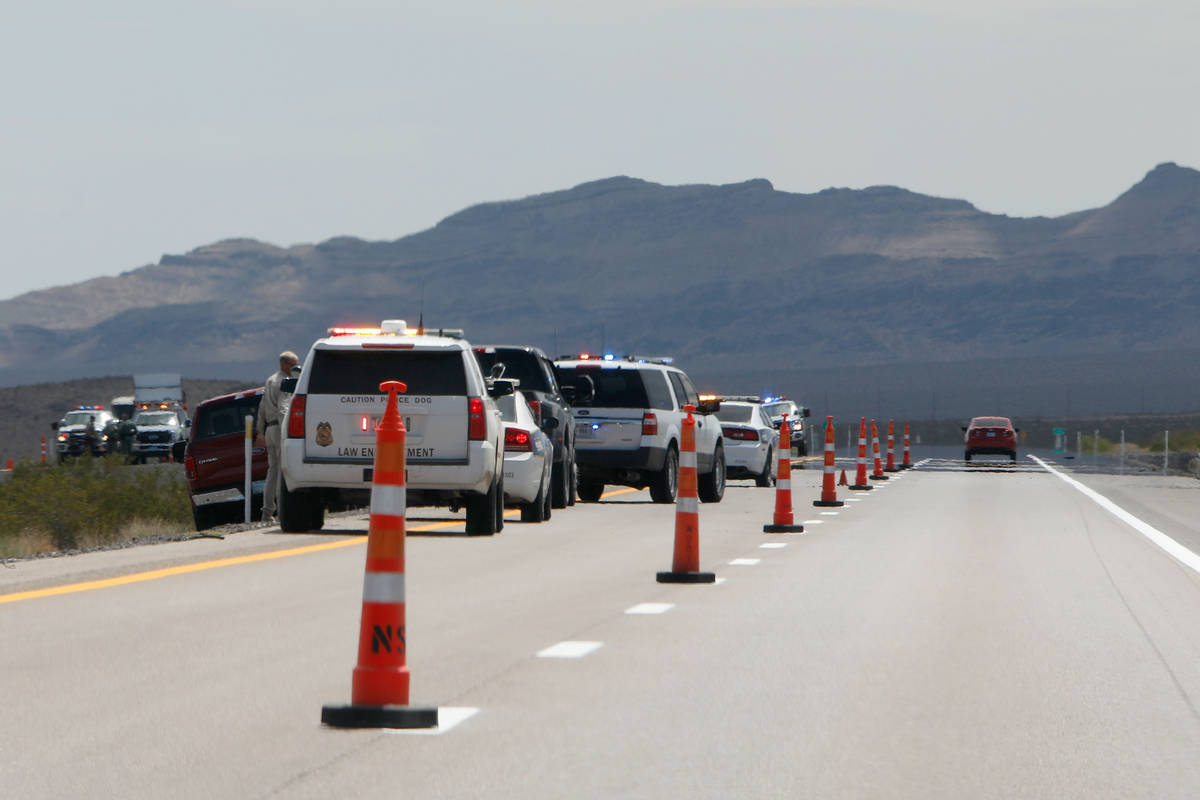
(734, 413)
(779, 409)
(156, 418)
(81, 418)
(519, 364)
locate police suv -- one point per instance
(628, 418)
(455, 442)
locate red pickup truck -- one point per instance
(215, 459)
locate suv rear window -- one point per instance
(361, 371)
(224, 419)
(734, 413)
(519, 364)
(614, 388)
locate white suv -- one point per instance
(628, 418)
(455, 437)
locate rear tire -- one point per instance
(590, 491)
(967, 456)
(666, 483)
(712, 483)
(205, 517)
(481, 510)
(559, 490)
(299, 510)
(764, 480)
(535, 511)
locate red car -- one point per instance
(215, 460)
(991, 436)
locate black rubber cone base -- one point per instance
(892, 469)
(783, 529)
(828, 503)
(379, 716)
(877, 477)
(686, 577)
(862, 487)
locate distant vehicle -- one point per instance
(215, 459)
(455, 437)
(158, 387)
(993, 436)
(628, 418)
(74, 438)
(538, 382)
(156, 430)
(750, 441)
(528, 459)
(776, 407)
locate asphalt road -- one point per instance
(992, 632)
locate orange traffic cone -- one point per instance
(828, 488)
(43, 449)
(8, 464)
(860, 478)
(891, 456)
(842, 481)
(783, 521)
(379, 687)
(877, 475)
(906, 462)
(685, 566)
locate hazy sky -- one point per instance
(133, 129)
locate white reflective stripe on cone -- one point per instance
(687, 505)
(387, 499)
(383, 587)
(783, 485)
(687, 459)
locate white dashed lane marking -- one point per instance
(448, 719)
(570, 649)
(744, 562)
(772, 546)
(650, 608)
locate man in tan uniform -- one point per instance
(268, 426)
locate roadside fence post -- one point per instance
(248, 466)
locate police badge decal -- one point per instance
(324, 434)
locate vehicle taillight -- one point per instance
(517, 441)
(296, 417)
(649, 424)
(742, 434)
(476, 421)
(536, 407)
(189, 467)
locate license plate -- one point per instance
(991, 434)
(368, 424)
(585, 430)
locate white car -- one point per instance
(776, 407)
(528, 459)
(751, 441)
(455, 443)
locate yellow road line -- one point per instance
(616, 492)
(184, 569)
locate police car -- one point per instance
(629, 413)
(73, 436)
(158, 427)
(455, 442)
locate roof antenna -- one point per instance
(421, 318)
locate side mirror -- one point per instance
(568, 393)
(964, 427)
(54, 426)
(550, 423)
(808, 412)
(500, 387)
(179, 450)
(288, 385)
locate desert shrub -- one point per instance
(88, 500)
(1185, 440)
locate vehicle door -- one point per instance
(708, 428)
(218, 445)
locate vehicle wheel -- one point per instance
(548, 509)
(316, 519)
(765, 478)
(481, 510)
(573, 483)
(802, 448)
(535, 511)
(1013, 458)
(500, 503)
(589, 491)
(967, 456)
(666, 483)
(296, 513)
(558, 483)
(712, 483)
(205, 517)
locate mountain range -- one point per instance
(882, 296)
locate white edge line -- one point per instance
(570, 650)
(449, 718)
(1172, 547)
(650, 608)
